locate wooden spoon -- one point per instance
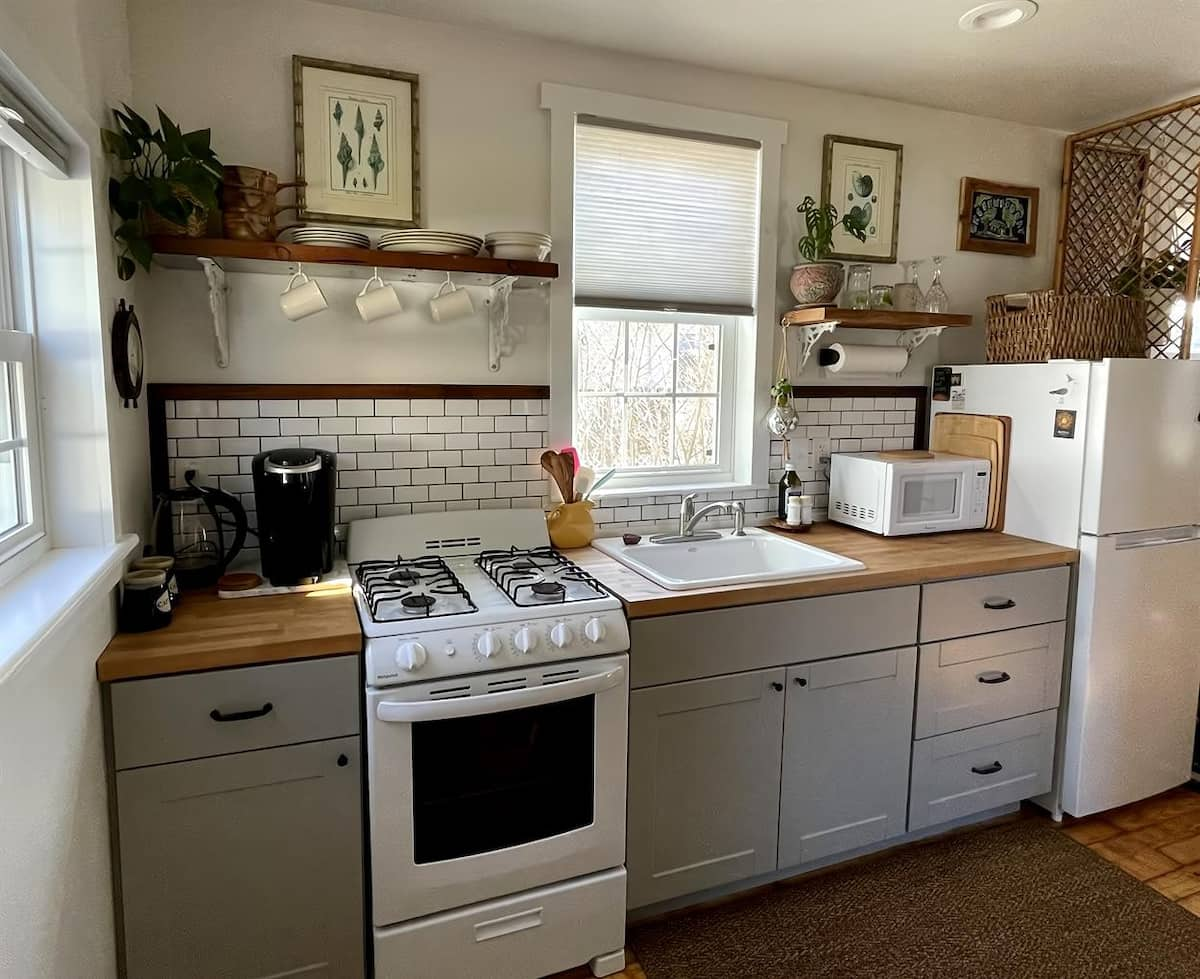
(563, 477)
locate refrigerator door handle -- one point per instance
(1156, 538)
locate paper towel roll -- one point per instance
(849, 358)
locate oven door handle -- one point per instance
(409, 712)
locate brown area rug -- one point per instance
(1015, 901)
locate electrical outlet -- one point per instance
(819, 450)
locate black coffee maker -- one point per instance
(294, 495)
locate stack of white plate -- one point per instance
(530, 246)
(317, 235)
(430, 242)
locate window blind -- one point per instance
(664, 220)
(29, 135)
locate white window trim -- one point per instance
(756, 337)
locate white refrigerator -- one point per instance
(1106, 458)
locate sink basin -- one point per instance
(729, 560)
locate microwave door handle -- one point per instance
(409, 712)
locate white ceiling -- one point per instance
(1078, 62)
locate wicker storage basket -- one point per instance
(1049, 325)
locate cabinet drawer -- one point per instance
(967, 682)
(971, 606)
(972, 771)
(174, 718)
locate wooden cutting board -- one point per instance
(979, 437)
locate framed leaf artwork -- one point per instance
(997, 218)
(861, 177)
(356, 143)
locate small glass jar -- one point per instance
(881, 297)
(858, 292)
(795, 509)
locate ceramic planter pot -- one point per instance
(817, 283)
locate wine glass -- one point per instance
(907, 295)
(936, 299)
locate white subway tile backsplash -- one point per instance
(528, 440)
(391, 443)
(462, 406)
(445, 423)
(356, 406)
(336, 426)
(510, 423)
(216, 427)
(410, 426)
(462, 474)
(393, 477)
(468, 440)
(239, 446)
(449, 457)
(318, 407)
(479, 457)
(356, 478)
(478, 491)
(259, 426)
(538, 423)
(373, 426)
(494, 474)
(392, 406)
(279, 408)
(378, 494)
(428, 442)
(394, 509)
(237, 409)
(199, 447)
(410, 460)
(429, 507)
(508, 457)
(297, 426)
(493, 504)
(462, 504)
(181, 428)
(195, 409)
(374, 460)
(446, 492)
(328, 443)
(493, 406)
(356, 443)
(495, 440)
(411, 494)
(428, 406)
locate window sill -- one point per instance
(44, 595)
(670, 489)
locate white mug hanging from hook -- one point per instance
(377, 299)
(452, 304)
(302, 297)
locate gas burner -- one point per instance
(538, 576)
(410, 588)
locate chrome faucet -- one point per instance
(689, 517)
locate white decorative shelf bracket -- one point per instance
(911, 339)
(810, 333)
(500, 341)
(218, 296)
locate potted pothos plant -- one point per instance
(166, 183)
(817, 280)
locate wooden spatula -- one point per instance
(562, 469)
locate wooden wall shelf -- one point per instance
(275, 257)
(873, 319)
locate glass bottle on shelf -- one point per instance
(789, 480)
(907, 295)
(858, 292)
(936, 299)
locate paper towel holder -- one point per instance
(832, 356)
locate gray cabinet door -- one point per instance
(703, 783)
(846, 745)
(244, 866)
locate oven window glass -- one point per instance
(499, 780)
(929, 496)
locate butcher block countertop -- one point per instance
(890, 562)
(207, 632)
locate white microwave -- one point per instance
(891, 496)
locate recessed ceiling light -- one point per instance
(997, 14)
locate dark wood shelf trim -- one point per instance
(277, 251)
(232, 392)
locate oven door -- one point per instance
(925, 501)
(486, 785)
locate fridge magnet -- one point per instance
(997, 218)
(1064, 424)
(356, 143)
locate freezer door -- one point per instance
(1142, 468)
(1131, 714)
(1045, 475)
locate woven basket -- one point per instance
(197, 222)
(1054, 326)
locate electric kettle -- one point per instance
(190, 523)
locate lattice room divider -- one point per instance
(1129, 206)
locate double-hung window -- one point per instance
(21, 508)
(665, 279)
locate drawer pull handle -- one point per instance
(801, 681)
(991, 769)
(994, 676)
(998, 604)
(241, 715)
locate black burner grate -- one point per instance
(421, 587)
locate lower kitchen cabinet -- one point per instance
(704, 762)
(244, 865)
(846, 747)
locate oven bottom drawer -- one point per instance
(534, 933)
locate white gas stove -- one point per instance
(497, 713)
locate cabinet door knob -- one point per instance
(776, 686)
(343, 761)
(994, 676)
(998, 604)
(800, 681)
(241, 715)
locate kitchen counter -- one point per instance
(207, 632)
(890, 562)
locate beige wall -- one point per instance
(485, 159)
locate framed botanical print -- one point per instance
(356, 143)
(861, 177)
(997, 218)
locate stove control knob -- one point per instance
(410, 656)
(561, 635)
(525, 641)
(594, 630)
(487, 645)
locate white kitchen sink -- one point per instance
(728, 560)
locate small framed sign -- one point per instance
(997, 218)
(356, 143)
